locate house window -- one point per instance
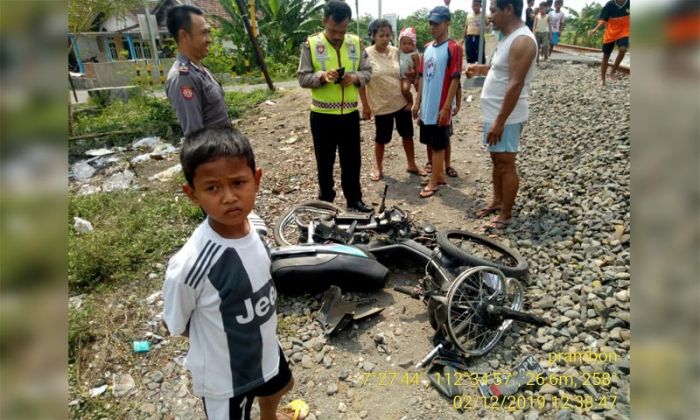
(113, 50)
(142, 49)
(146, 50)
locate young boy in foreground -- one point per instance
(218, 289)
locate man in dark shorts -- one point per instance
(616, 15)
(438, 83)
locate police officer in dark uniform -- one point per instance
(195, 95)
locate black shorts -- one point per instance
(435, 136)
(385, 125)
(240, 405)
(621, 43)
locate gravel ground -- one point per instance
(573, 227)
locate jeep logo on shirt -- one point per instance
(260, 308)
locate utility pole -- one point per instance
(357, 12)
(154, 49)
(379, 14)
(254, 41)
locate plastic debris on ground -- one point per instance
(166, 174)
(508, 385)
(142, 346)
(94, 392)
(141, 158)
(82, 170)
(99, 152)
(75, 302)
(118, 181)
(336, 313)
(87, 189)
(82, 225)
(147, 143)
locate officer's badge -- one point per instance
(320, 49)
(184, 69)
(187, 92)
(351, 49)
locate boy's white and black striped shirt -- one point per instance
(224, 290)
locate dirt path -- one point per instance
(277, 133)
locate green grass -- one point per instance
(133, 231)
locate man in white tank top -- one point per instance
(504, 104)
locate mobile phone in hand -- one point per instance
(341, 73)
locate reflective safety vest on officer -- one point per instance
(333, 98)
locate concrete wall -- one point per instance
(123, 73)
(92, 47)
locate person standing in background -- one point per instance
(195, 95)
(504, 105)
(383, 97)
(530, 14)
(543, 30)
(471, 35)
(557, 17)
(440, 70)
(616, 15)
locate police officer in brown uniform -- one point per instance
(195, 95)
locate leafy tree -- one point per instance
(219, 60)
(233, 29)
(286, 24)
(282, 26)
(578, 25)
(82, 14)
(419, 21)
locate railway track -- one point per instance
(586, 51)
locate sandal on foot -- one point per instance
(425, 182)
(451, 172)
(427, 192)
(487, 211)
(497, 224)
(376, 177)
(428, 168)
(417, 172)
(296, 410)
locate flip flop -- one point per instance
(376, 177)
(428, 192)
(296, 410)
(497, 224)
(450, 171)
(487, 211)
(428, 168)
(417, 172)
(425, 182)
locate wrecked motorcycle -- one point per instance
(473, 309)
(389, 232)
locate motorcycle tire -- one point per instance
(287, 217)
(509, 261)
